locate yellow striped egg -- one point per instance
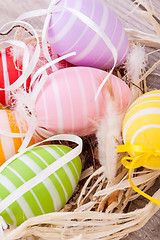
(142, 121)
(141, 124)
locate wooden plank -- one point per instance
(9, 10)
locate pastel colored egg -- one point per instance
(142, 122)
(11, 64)
(49, 195)
(11, 122)
(66, 102)
(67, 33)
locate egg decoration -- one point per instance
(11, 123)
(66, 102)
(68, 33)
(49, 195)
(11, 65)
(142, 127)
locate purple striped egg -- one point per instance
(67, 33)
(66, 103)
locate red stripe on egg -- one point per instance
(13, 70)
(2, 93)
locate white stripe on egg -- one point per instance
(59, 18)
(94, 41)
(22, 179)
(68, 25)
(10, 213)
(146, 96)
(82, 34)
(147, 111)
(83, 98)
(142, 129)
(139, 104)
(68, 172)
(70, 101)
(47, 182)
(21, 201)
(94, 86)
(56, 156)
(45, 108)
(106, 50)
(70, 162)
(59, 109)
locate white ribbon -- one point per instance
(44, 41)
(54, 8)
(26, 55)
(29, 67)
(24, 99)
(103, 35)
(11, 134)
(41, 70)
(12, 197)
(22, 45)
(31, 97)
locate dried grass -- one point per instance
(100, 209)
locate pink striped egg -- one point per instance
(66, 103)
(67, 33)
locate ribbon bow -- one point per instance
(142, 156)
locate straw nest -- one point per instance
(100, 209)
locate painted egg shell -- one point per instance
(10, 122)
(67, 33)
(48, 196)
(11, 68)
(142, 121)
(66, 103)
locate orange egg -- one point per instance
(11, 122)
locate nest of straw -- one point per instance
(100, 209)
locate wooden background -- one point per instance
(10, 9)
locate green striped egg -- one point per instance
(48, 196)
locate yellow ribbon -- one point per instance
(144, 156)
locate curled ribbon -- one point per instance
(28, 66)
(53, 7)
(144, 156)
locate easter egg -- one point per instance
(66, 102)
(142, 124)
(49, 195)
(10, 123)
(68, 33)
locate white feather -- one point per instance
(108, 136)
(135, 65)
